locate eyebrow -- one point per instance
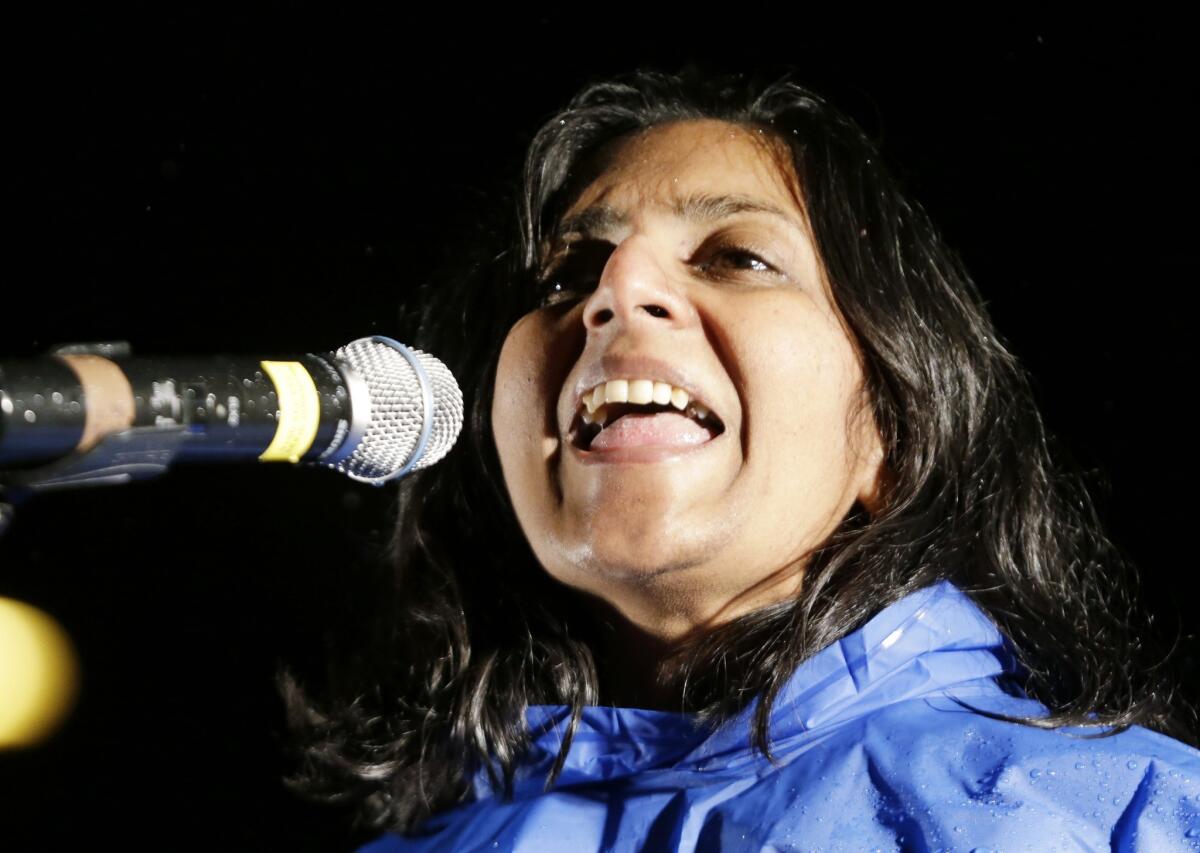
(699, 208)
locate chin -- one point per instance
(635, 553)
(639, 568)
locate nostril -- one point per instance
(602, 316)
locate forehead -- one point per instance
(657, 169)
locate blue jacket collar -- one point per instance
(934, 644)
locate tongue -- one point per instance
(660, 428)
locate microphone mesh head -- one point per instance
(397, 414)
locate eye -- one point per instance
(574, 273)
(745, 259)
(555, 291)
(735, 258)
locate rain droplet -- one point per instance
(1035, 773)
(1131, 764)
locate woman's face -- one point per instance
(686, 268)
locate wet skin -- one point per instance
(730, 302)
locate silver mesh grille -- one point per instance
(391, 432)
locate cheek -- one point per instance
(533, 363)
(514, 400)
(518, 400)
(802, 379)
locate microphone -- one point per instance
(374, 410)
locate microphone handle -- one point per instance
(228, 408)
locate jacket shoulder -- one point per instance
(934, 770)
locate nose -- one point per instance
(635, 289)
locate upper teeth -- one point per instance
(636, 391)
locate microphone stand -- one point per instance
(137, 453)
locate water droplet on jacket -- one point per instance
(1131, 764)
(1079, 765)
(1035, 773)
(1194, 832)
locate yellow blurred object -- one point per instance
(39, 674)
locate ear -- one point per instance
(874, 479)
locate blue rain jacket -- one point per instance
(874, 754)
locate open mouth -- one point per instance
(641, 412)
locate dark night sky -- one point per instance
(193, 183)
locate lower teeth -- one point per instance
(590, 429)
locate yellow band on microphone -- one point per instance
(299, 411)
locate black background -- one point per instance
(205, 183)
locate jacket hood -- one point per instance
(877, 746)
(934, 644)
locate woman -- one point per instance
(755, 541)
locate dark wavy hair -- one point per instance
(472, 630)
